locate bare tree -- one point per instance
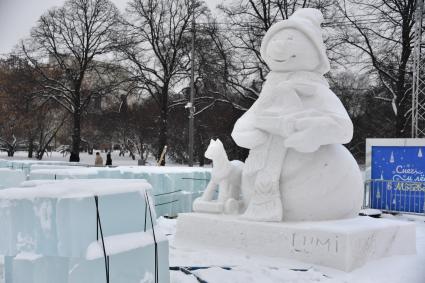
(18, 104)
(48, 122)
(71, 38)
(157, 37)
(247, 23)
(382, 30)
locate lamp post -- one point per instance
(191, 105)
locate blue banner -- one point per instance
(398, 178)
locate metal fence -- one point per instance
(395, 196)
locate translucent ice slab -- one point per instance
(62, 173)
(174, 188)
(33, 268)
(59, 218)
(11, 178)
(131, 260)
(26, 165)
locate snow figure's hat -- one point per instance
(306, 20)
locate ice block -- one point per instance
(59, 218)
(11, 178)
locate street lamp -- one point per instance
(190, 105)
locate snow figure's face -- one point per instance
(290, 50)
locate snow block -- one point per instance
(342, 244)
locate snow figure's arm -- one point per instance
(315, 131)
(283, 125)
(277, 113)
(245, 135)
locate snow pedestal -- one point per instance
(342, 244)
(50, 231)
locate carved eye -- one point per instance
(290, 38)
(293, 56)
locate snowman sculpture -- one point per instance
(297, 168)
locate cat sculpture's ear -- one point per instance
(218, 142)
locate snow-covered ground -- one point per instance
(221, 266)
(85, 158)
(246, 268)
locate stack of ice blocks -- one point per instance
(27, 165)
(51, 233)
(174, 188)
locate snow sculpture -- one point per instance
(225, 174)
(297, 168)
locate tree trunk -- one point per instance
(10, 152)
(201, 147)
(40, 154)
(76, 138)
(404, 104)
(404, 100)
(163, 124)
(162, 141)
(30, 147)
(401, 125)
(201, 159)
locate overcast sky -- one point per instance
(18, 16)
